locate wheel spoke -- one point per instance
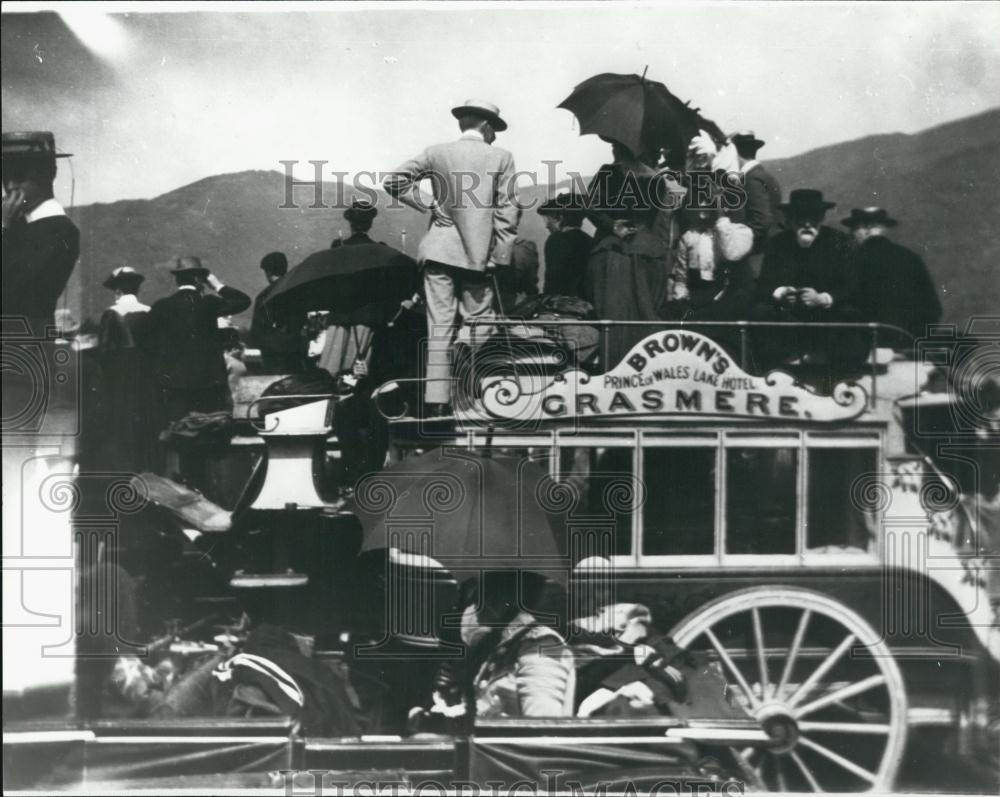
(813, 783)
(844, 727)
(822, 670)
(754, 702)
(836, 758)
(793, 653)
(758, 633)
(841, 694)
(782, 783)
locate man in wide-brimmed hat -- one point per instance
(360, 216)
(807, 275)
(567, 247)
(40, 243)
(190, 366)
(472, 231)
(893, 284)
(762, 190)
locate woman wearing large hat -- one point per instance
(126, 428)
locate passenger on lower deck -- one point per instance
(520, 666)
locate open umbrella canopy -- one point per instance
(467, 511)
(357, 284)
(641, 114)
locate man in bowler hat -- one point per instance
(472, 231)
(360, 216)
(763, 193)
(893, 284)
(190, 365)
(807, 276)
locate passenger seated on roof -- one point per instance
(808, 276)
(711, 277)
(519, 666)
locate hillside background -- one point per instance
(940, 183)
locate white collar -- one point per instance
(748, 166)
(186, 288)
(473, 133)
(128, 303)
(45, 210)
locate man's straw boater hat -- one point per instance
(487, 110)
(32, 145)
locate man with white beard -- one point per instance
(807, 276)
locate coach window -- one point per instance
(843, 498)
(761, 488)
(678, 517)
(603, 490)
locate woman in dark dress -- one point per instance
(628, 270)
(126, 439)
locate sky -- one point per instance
(148, 102)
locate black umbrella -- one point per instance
(357, 284)
(467, 511)
(641, 114)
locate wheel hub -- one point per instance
(780, 725)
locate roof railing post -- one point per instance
(873, 356)
(744, 348)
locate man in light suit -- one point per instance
(763, 195)
(472, 231)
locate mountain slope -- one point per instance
(938, 182)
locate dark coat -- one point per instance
(353, 240)
(187, 339)
(763, 198)
(272, 332)
(894, 286)
(566, 254)
(37, 261)
(827, 266)
(520, 276)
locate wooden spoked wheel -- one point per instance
(819, 678)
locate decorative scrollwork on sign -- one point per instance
(376, 494)
(127, 496)
(506, 398)
(556, 496)
(850, 395)
(59, 493)
(870, 493)
(443, 493)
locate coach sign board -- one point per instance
(673, 373)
